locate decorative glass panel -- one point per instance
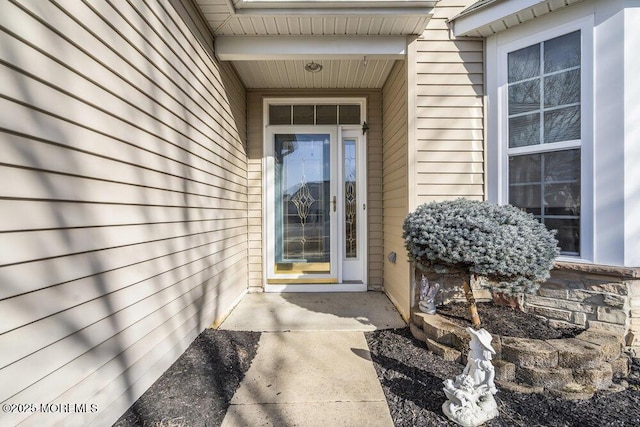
(349, 115)
(279, 114)
(302, 203)
(524, 63)
(303, 114)
(547, 185)
(326, 114)
(350, 199)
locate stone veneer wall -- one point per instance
(594, 297)
(602, 298)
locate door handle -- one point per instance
(334, 201)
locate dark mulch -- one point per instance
(411, 378)
(197, 388)
(506, 321)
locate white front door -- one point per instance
(315, 208)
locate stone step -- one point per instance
(444, 351)
(574, 391)
(575, 353)
(600, 376)
(529, 352)
(620, 367)
(441, 330)
(611, 346)
(518, 388)
(417, 332)
(505, 371)
(549, 378)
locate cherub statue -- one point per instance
(427, 296)
(470, 399)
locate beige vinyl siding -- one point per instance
(255, 128)
(394, 185)
(255, 176)
(123, 214)
(448, 135)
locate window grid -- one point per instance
(340, 118)
(541, 147)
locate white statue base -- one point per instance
(470, 401)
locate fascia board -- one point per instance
(257, 48)
(351, 11)
(333, 4)
(465, 24)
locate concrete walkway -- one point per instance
(313, 366)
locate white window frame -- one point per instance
(585, 26)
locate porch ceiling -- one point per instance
(313, 27)
(336, 74)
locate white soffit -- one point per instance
(319, 17)
(488, 17)
(356, 41)
(252, 48)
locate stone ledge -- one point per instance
(602, 270)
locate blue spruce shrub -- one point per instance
(500, 242)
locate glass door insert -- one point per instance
(303, 208)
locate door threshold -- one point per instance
(337, 287)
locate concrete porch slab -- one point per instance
(357, 311)
(310, 378)
(312, 414)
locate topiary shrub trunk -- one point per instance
(500, 242)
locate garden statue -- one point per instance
(427, 296)
(470, 399)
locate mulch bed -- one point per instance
(506, 321)
(412, 377)
(197, 389)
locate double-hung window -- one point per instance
(543, 138)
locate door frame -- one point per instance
(268, 231)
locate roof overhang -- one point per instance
(488, 17)
(324, 5)
(316, 17)
(257, 48)
(356, 42)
